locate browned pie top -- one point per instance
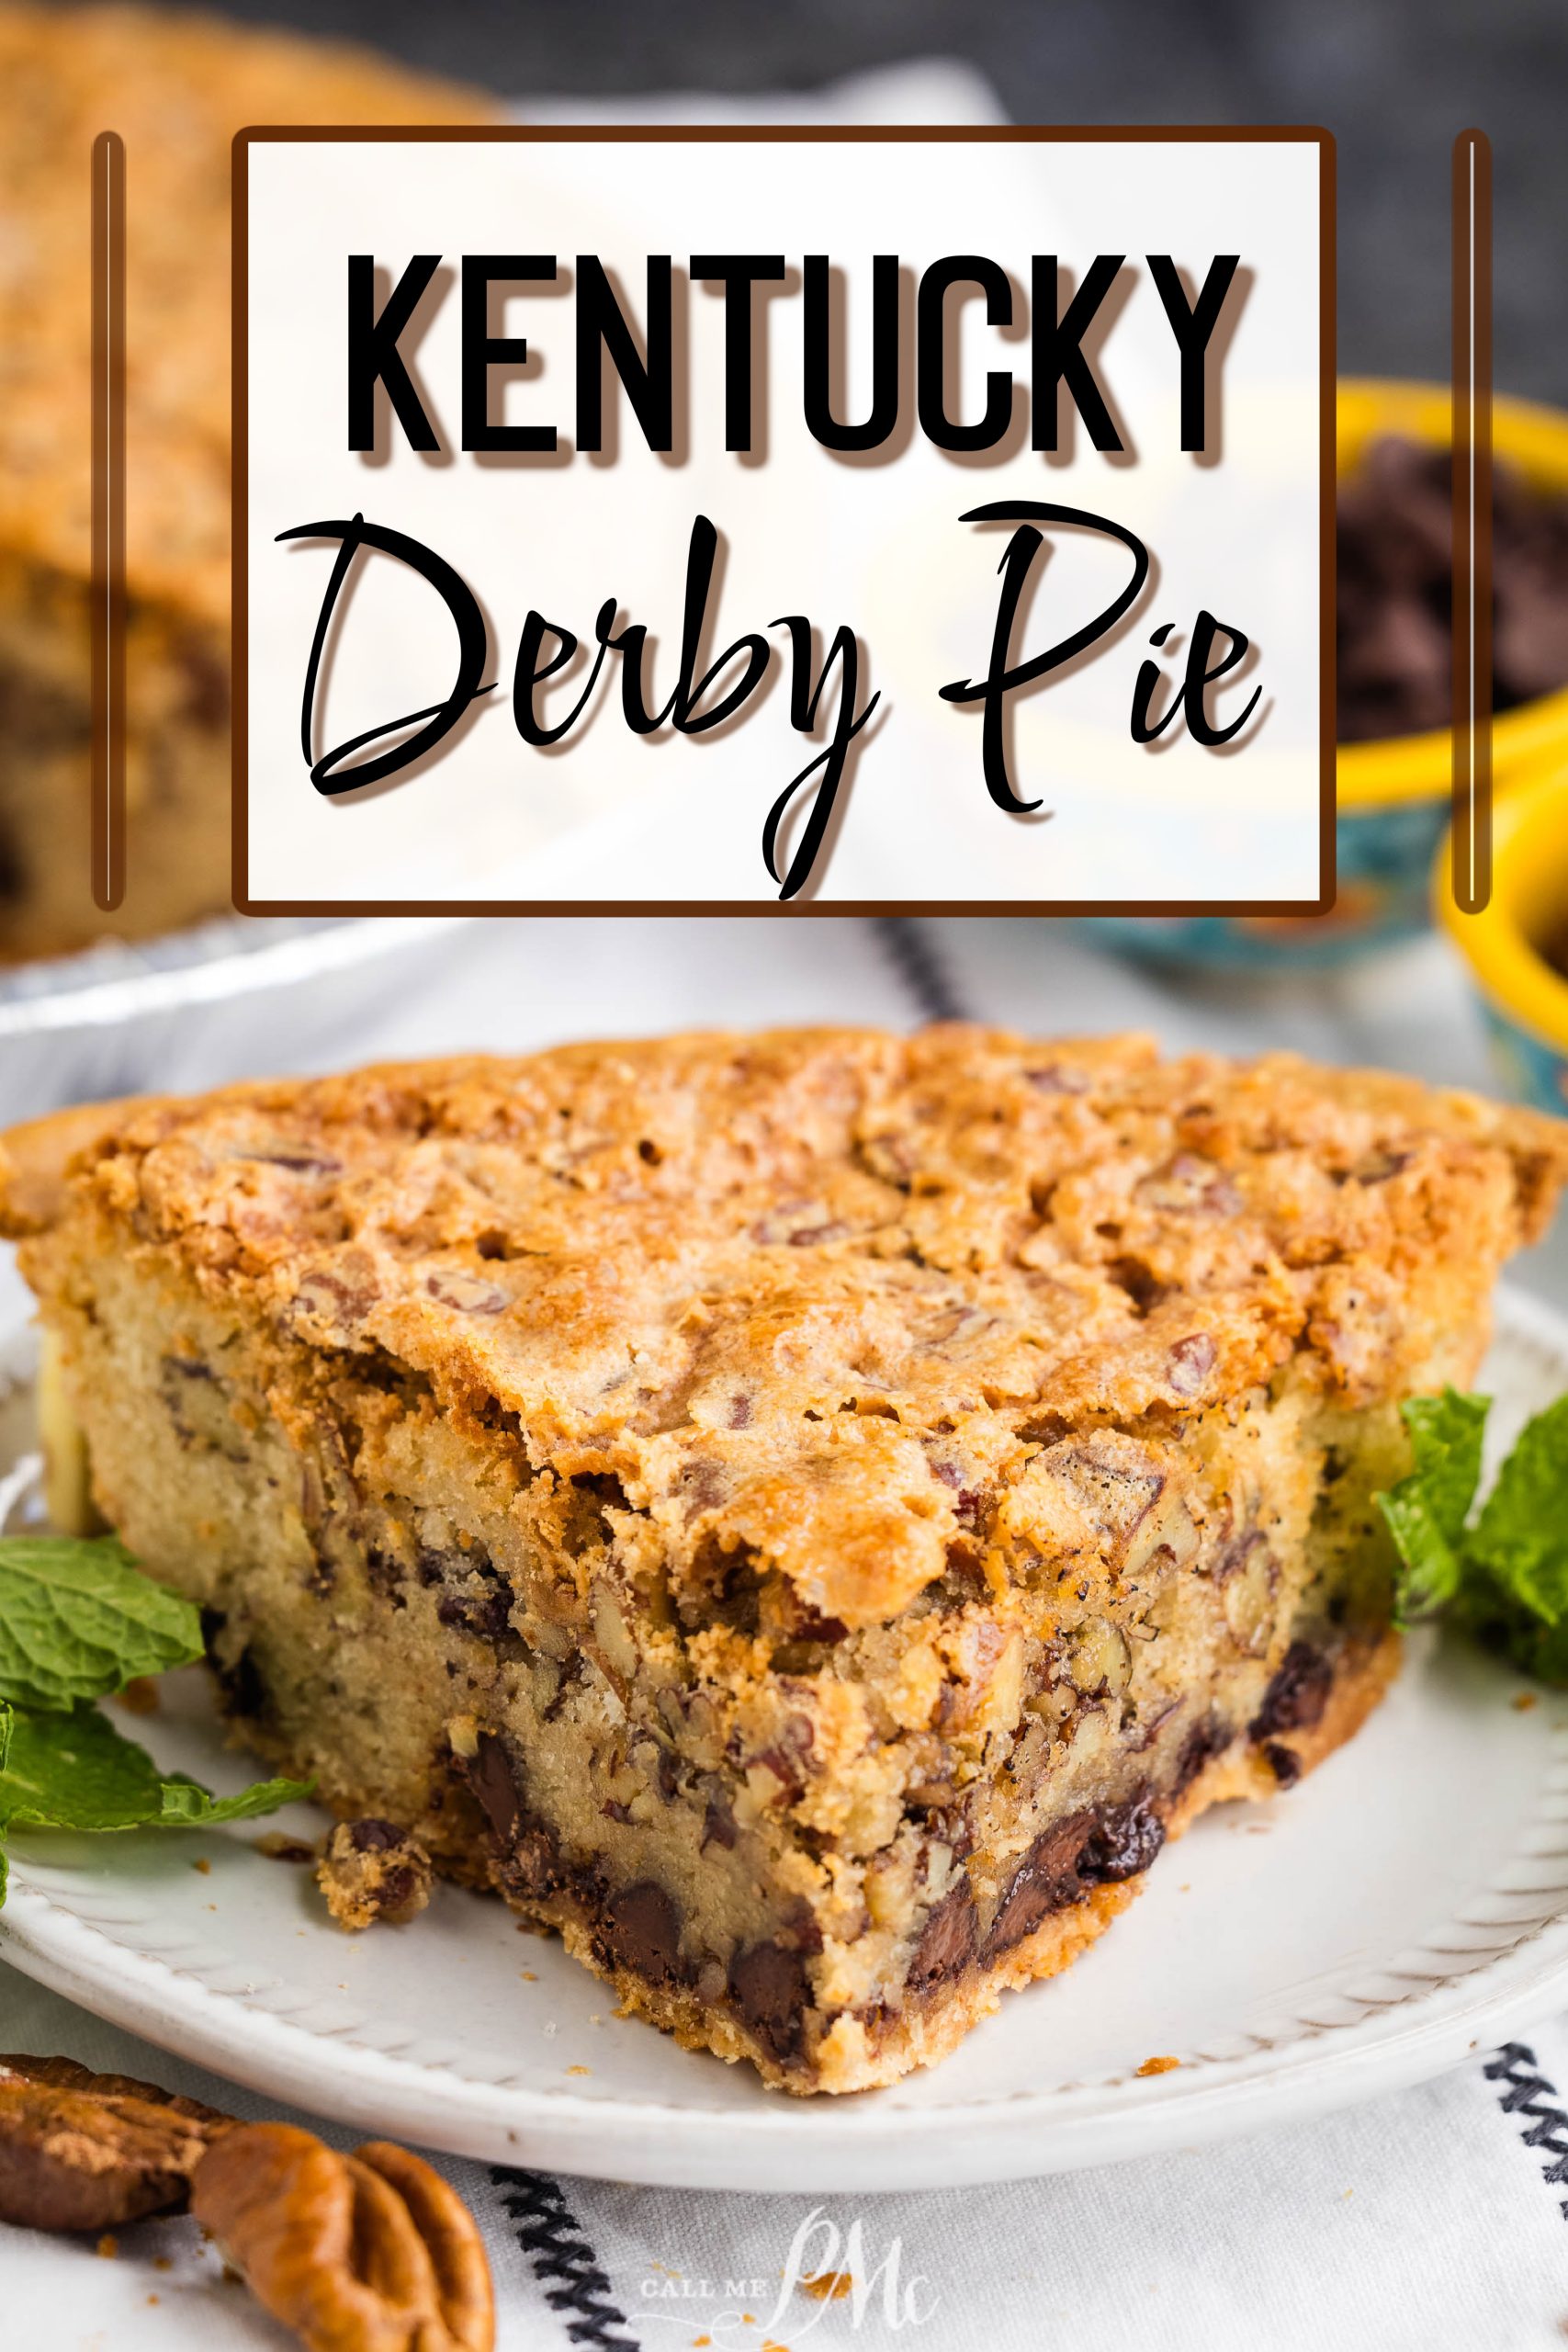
(809, 1291)
(176, 88)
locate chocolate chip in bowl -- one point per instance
(1396, 590)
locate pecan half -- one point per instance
(80, 2151)
(366, 2253)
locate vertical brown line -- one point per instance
(240, 523)
(1472, 619)
(108, 468)
(1328, 525)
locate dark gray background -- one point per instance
(1393, 79)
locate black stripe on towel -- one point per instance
(1528, 2094)
(921, 967)
(551, 2237)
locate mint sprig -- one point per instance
(1427, 1511)
(1501, 1574)
(76, 1771)
(78, 1621)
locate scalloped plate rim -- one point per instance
(874, 2141)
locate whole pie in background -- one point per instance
(176, 89)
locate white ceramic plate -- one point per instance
(1407, 1904)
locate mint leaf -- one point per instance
(187, 1806)
(1430, 1571)
(1427, 1511)
(1521, 1537)
(1514, 1597)
(1446, 1432)
(78, 1620)
(1504, 1578)
(76, 1771)
(1500, 1623)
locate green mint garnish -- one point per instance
(78, 1620)
(1427, 1511)
(76, 1771)
(1502, 1574)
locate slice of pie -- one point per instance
(807, 1516)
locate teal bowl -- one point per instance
(1384, 896)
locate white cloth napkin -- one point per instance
(1429, 2222)
(1436, 2221)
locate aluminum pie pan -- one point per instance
(234, 996)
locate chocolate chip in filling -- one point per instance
(490, 1776)
(240, 1685)
(1088, 1850)
(1283, 1762)
(641, 1930)
(771, 1993)
(1298, 1695)
(948, 1941)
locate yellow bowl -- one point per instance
(1523, 999)
(1533, 442)
(1392, 795)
